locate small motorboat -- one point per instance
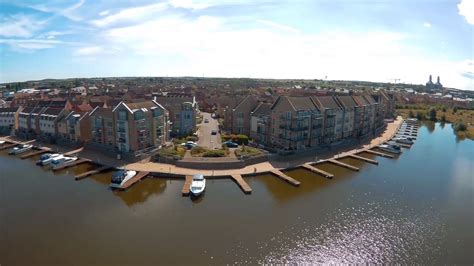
(391, 147)
(120, 177)
(2, 142)
(403, 140)
(198, 185)
(409, 137)
(21, 148)
(62, 160)
(47, 158)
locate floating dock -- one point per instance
(242, 184)
(404, 145)
(71, 164)
(348, 166)
(285, 177)
(317, 170)
(93, 172)
(380, 153)
(187, 185)
(365, 159)
(38, 152)
(12, 143)
(139, 176)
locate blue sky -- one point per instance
(375, 40)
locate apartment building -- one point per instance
(102, 128)
(182, 111)
(333, 116)
(363, 120)
(140, 127)
(9, 119)
(260, 123)
(296, 124)
(237, 118)
(47, 122)
(348, 106)
(74, 127)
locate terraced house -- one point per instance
(237, 118)
(333, 116)
(9, 119)
(182, 111)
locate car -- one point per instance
(213, 132)
(230, 144)
(206, 120)
(189, 144)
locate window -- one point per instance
(122, 115)
(157, 112)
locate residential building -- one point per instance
(237, 118)
(102, 128)
(260, 123)
(333, 116)
(9, 119)
(47, 119)
(296, 124)
(348, 106)
(182, 111)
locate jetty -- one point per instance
(73, 151)
(37, 152)
(71, 164)
(93, 172)
(285, 177)
(13, 143)
(379, 153)
(242, 184)
(317, 170)
(187, 185)
(139, 176)
(348, 166)
(365, 159)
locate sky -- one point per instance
(371, 40)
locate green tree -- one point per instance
(420, 115)
(443, 118)
(433, 114)
(455, 109)
(411, 114)
(460, 126)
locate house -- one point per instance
(296, 124)
(102, 128)
(348, 106)
(75, 127)
(47, 122)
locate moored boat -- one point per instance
(391, 147)
(47, 158)
(403, 140)
(62, 160)
(120, 177)
(198, 185)
(20, 148)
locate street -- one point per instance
(204, 133)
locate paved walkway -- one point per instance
(264, 167)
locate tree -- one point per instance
(455, 109)
(443, 118)
(420, 115)
(433, 114)
(411, 114)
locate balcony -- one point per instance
(299, 128)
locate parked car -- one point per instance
(189, 144)
(230, 144)
(206, 120)
(214, 132)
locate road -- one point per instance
(204, 133)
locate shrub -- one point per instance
(411, 114)
(214, 153)
(420, 115)
(443, 118)
(432, 114)
(239, 139)
(460, 126)
(196, 151)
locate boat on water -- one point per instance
(391, 147)
(20, 148)
(403, 140)
(47, 158)
(2, 142)
(62, 160)
(120, 177)
(409, 137)
(198, 185)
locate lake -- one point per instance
(416, 208)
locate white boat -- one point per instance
(20, 148)
(393, 148)
(120, 177)
(2, 142)
(47, 158)
(62, 160)
(198, 185)
(409, 137)
(403, 140)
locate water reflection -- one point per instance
(142, 191)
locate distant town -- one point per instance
(136, 117)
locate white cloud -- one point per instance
(208, 45)
(189, 4)
(89, 51)
(427, 25)
(278, 26)
(68, 12)
(466, 9)
(22, 45)
(104, 13)
(20, 26)
(133, 14)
